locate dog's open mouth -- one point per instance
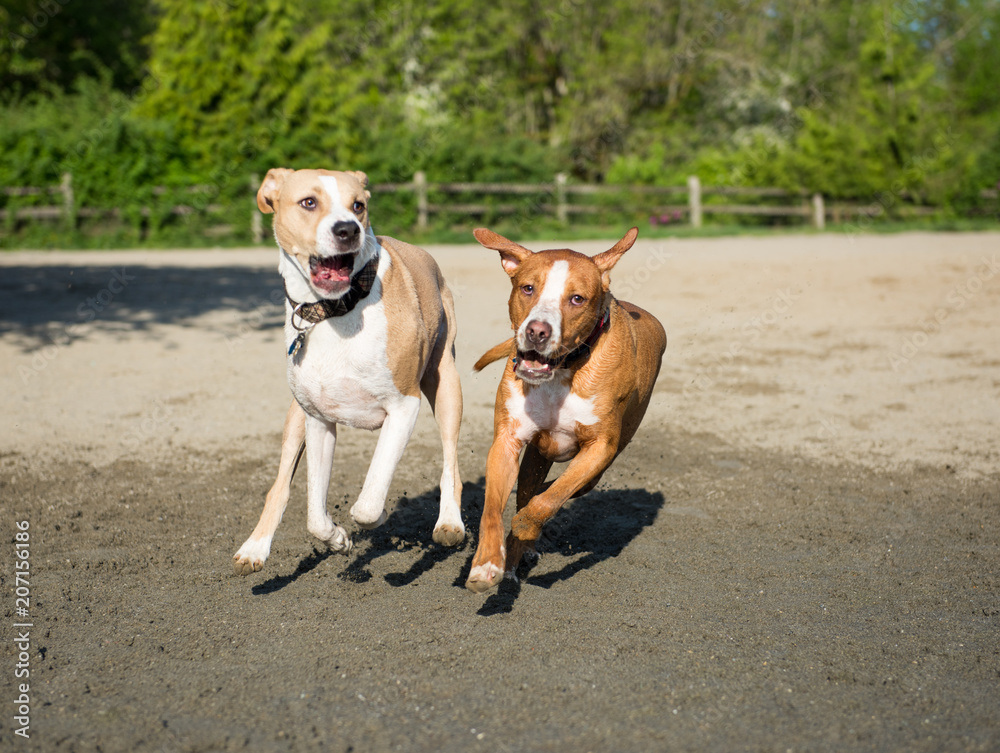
(332, 274)
(532, 365)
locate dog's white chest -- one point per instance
(551, 408)
(342, 374)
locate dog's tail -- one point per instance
(494, 354)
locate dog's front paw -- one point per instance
(250, 557)
(484, 577)
(448, 534)
(245, 565)
(339, 541)
(335, 537)
(525, 528)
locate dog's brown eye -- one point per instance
(308, 203)
(527, 289)
(577, 300)
(358, 207)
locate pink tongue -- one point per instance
(336, 268)
(534, 364)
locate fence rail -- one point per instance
(552, 199)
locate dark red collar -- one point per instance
(588, 344)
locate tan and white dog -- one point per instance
(369, 325)
(579, 376)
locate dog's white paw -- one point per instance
(335, 537)
(484, 577)
(339, 541)
(449, 534)
(367, 518)
(251, 557)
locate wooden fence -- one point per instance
(555, 199)
(69, 212)
(664, 204)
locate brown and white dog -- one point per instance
(369, 325)
(578, 379)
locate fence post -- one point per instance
(420, 186)
(562, 213)
(694, 200)
(819, 212)
(256, 220)
(66, 189)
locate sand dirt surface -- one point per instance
(799, 551)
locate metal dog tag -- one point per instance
(296, 344)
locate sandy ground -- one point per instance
(798, 552)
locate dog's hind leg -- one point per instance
(251, 556)
(443, 389)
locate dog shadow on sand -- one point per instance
(586, 532)
(407, 527)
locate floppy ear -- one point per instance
(270, 189)
(607, 259)
(511, 254)
(362, 178)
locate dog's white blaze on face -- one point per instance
(547, 308)
(338, 213)
(306, 236)
(325, 243)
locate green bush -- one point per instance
(154, 104)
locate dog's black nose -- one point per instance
(345, 231)
(537, 332)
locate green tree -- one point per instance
(53, 42)
(249, 83)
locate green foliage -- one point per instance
(128, 169)
(144, 100)
(46, 42)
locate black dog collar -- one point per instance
(314, 313)
(361, 286)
